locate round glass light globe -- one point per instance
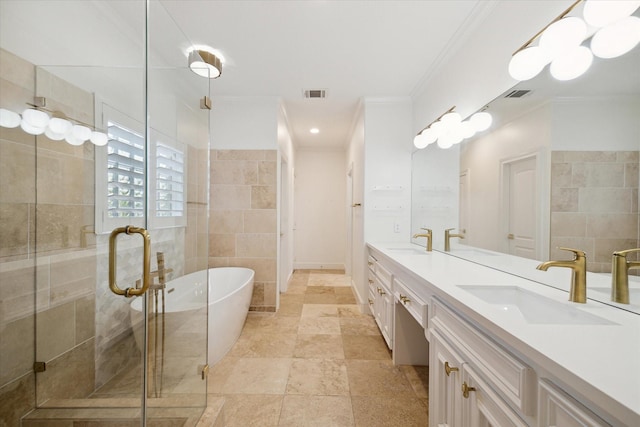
(35, 118)
(437, 128)
(445, 142)
(451, 119)
(59, 126)
(481, 121)
(599, 13)
(562, 36)
(572, 65)
(54, 136)
(420, 141)
(30, 129)
(81, 132)
(98, 138)
(71, 139)
(616, 39)
(429, 135)
(467, 129)
(527, 63)
(9, 119)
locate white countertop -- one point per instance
(604, 356)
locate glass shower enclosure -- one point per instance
(103, 243)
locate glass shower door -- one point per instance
(96, 354)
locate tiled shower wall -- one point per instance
(594, 204)
(243, 227)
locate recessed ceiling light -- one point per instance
(314, 130)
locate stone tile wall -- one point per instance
(243, 217)
(594, 204)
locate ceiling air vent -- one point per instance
(315, 93)
(518, 93)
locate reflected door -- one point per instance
(521, 203)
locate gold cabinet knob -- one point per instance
(404, 299)
(371, 281)
(369, 263)
(370, 301)
(466, 389)
(448, 368)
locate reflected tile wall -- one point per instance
(594, 204)
(243, 217)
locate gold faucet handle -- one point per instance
(577, 252)
(626, 252)
(428, 230)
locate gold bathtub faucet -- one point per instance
(428, 235)
(447, 236)
(620, 267)
(578, 266)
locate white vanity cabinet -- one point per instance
(557, 408)
(381, 298)
(474, 381)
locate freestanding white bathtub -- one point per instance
(230, 290)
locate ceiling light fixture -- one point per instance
(205, 64)
(560, 42)
(314, 130)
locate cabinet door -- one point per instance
(558, 409)
(445, 398)
(482, 406)
(388, 307)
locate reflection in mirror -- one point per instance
(559, 168)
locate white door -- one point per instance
(522, 207)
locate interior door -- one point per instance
(522, 207)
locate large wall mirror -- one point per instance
(558, 168)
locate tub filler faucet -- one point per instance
(620, 267)
(578, 266)
(447, 238)
(428, 235)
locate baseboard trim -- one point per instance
(363, 303)
(317, 266)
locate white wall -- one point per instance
(482, 157)
(387, 191)
(244, 123)
(320, 204)
(580, 124)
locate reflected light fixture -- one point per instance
(205, 64)
(449, 129)
(560, 42)
(314, 130)
(35, 120)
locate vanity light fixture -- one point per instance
(449, 129)
(35, 120)
(205, 64)
(560, 42)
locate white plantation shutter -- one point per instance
(125, 173)
(169, 181)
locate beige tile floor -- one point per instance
(317, 362)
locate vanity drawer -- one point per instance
(414, 305)
(384, 275)
(508, 375)
(556, 405)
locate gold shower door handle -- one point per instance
(129, 292)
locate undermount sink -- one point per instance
(534, 308)
(408, 251)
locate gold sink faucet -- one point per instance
(447, 236)
(578, 266)
(620, 275)
(428, 235)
